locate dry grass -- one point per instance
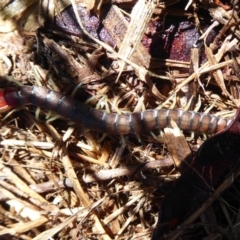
(62, 181)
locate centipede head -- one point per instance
(4, 107)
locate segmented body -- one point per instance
(135, 123)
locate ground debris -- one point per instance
(60, 180)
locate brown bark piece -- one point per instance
(177, 145)
(118, 28)
(83, 71)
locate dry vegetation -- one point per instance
(60, 180)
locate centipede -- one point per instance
(111, 123)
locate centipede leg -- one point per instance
(102, 138)
(138, 138)
(123, 141)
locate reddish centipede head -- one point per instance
(3, 104)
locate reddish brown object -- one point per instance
(3, 104)
(183, 41)
(175, 41)
(135, 123)
(67, 22)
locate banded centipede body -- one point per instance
(135, 123)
